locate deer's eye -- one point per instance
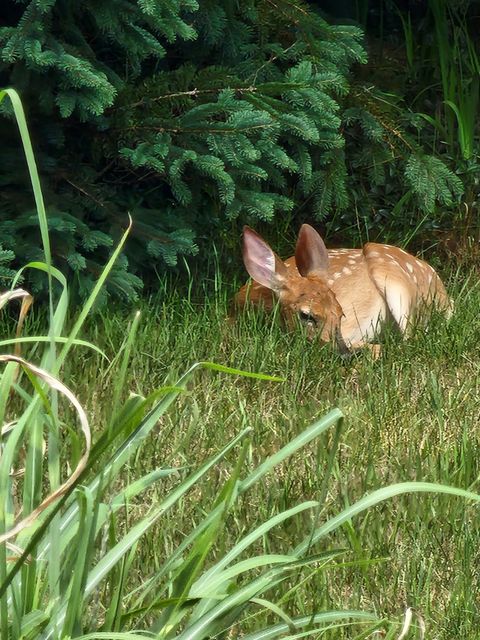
(307, 318)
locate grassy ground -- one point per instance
(411, 415)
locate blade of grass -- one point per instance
(314, 619)
(374, 498)
(294, 445)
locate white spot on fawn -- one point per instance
(409, 267)
(346, 271)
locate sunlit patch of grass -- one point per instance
(412, 415)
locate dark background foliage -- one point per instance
(199, 117)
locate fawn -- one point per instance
(341, 295)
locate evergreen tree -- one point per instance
(69, 60)
(194, 117)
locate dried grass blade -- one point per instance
(27, 300)
(61, 388)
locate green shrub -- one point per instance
(194, 118)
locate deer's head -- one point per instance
(303, 293)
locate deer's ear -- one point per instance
(262, 264)
(311, 255)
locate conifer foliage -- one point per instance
(194, 117)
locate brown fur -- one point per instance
(341, 294)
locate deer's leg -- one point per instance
(374, 348)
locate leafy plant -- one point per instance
(418, 95)
(243, 124)
(459, 66)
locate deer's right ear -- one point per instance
(311, 255)
(262, 264)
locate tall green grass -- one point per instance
(459, 66)
(212, 502)
(410, 416)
